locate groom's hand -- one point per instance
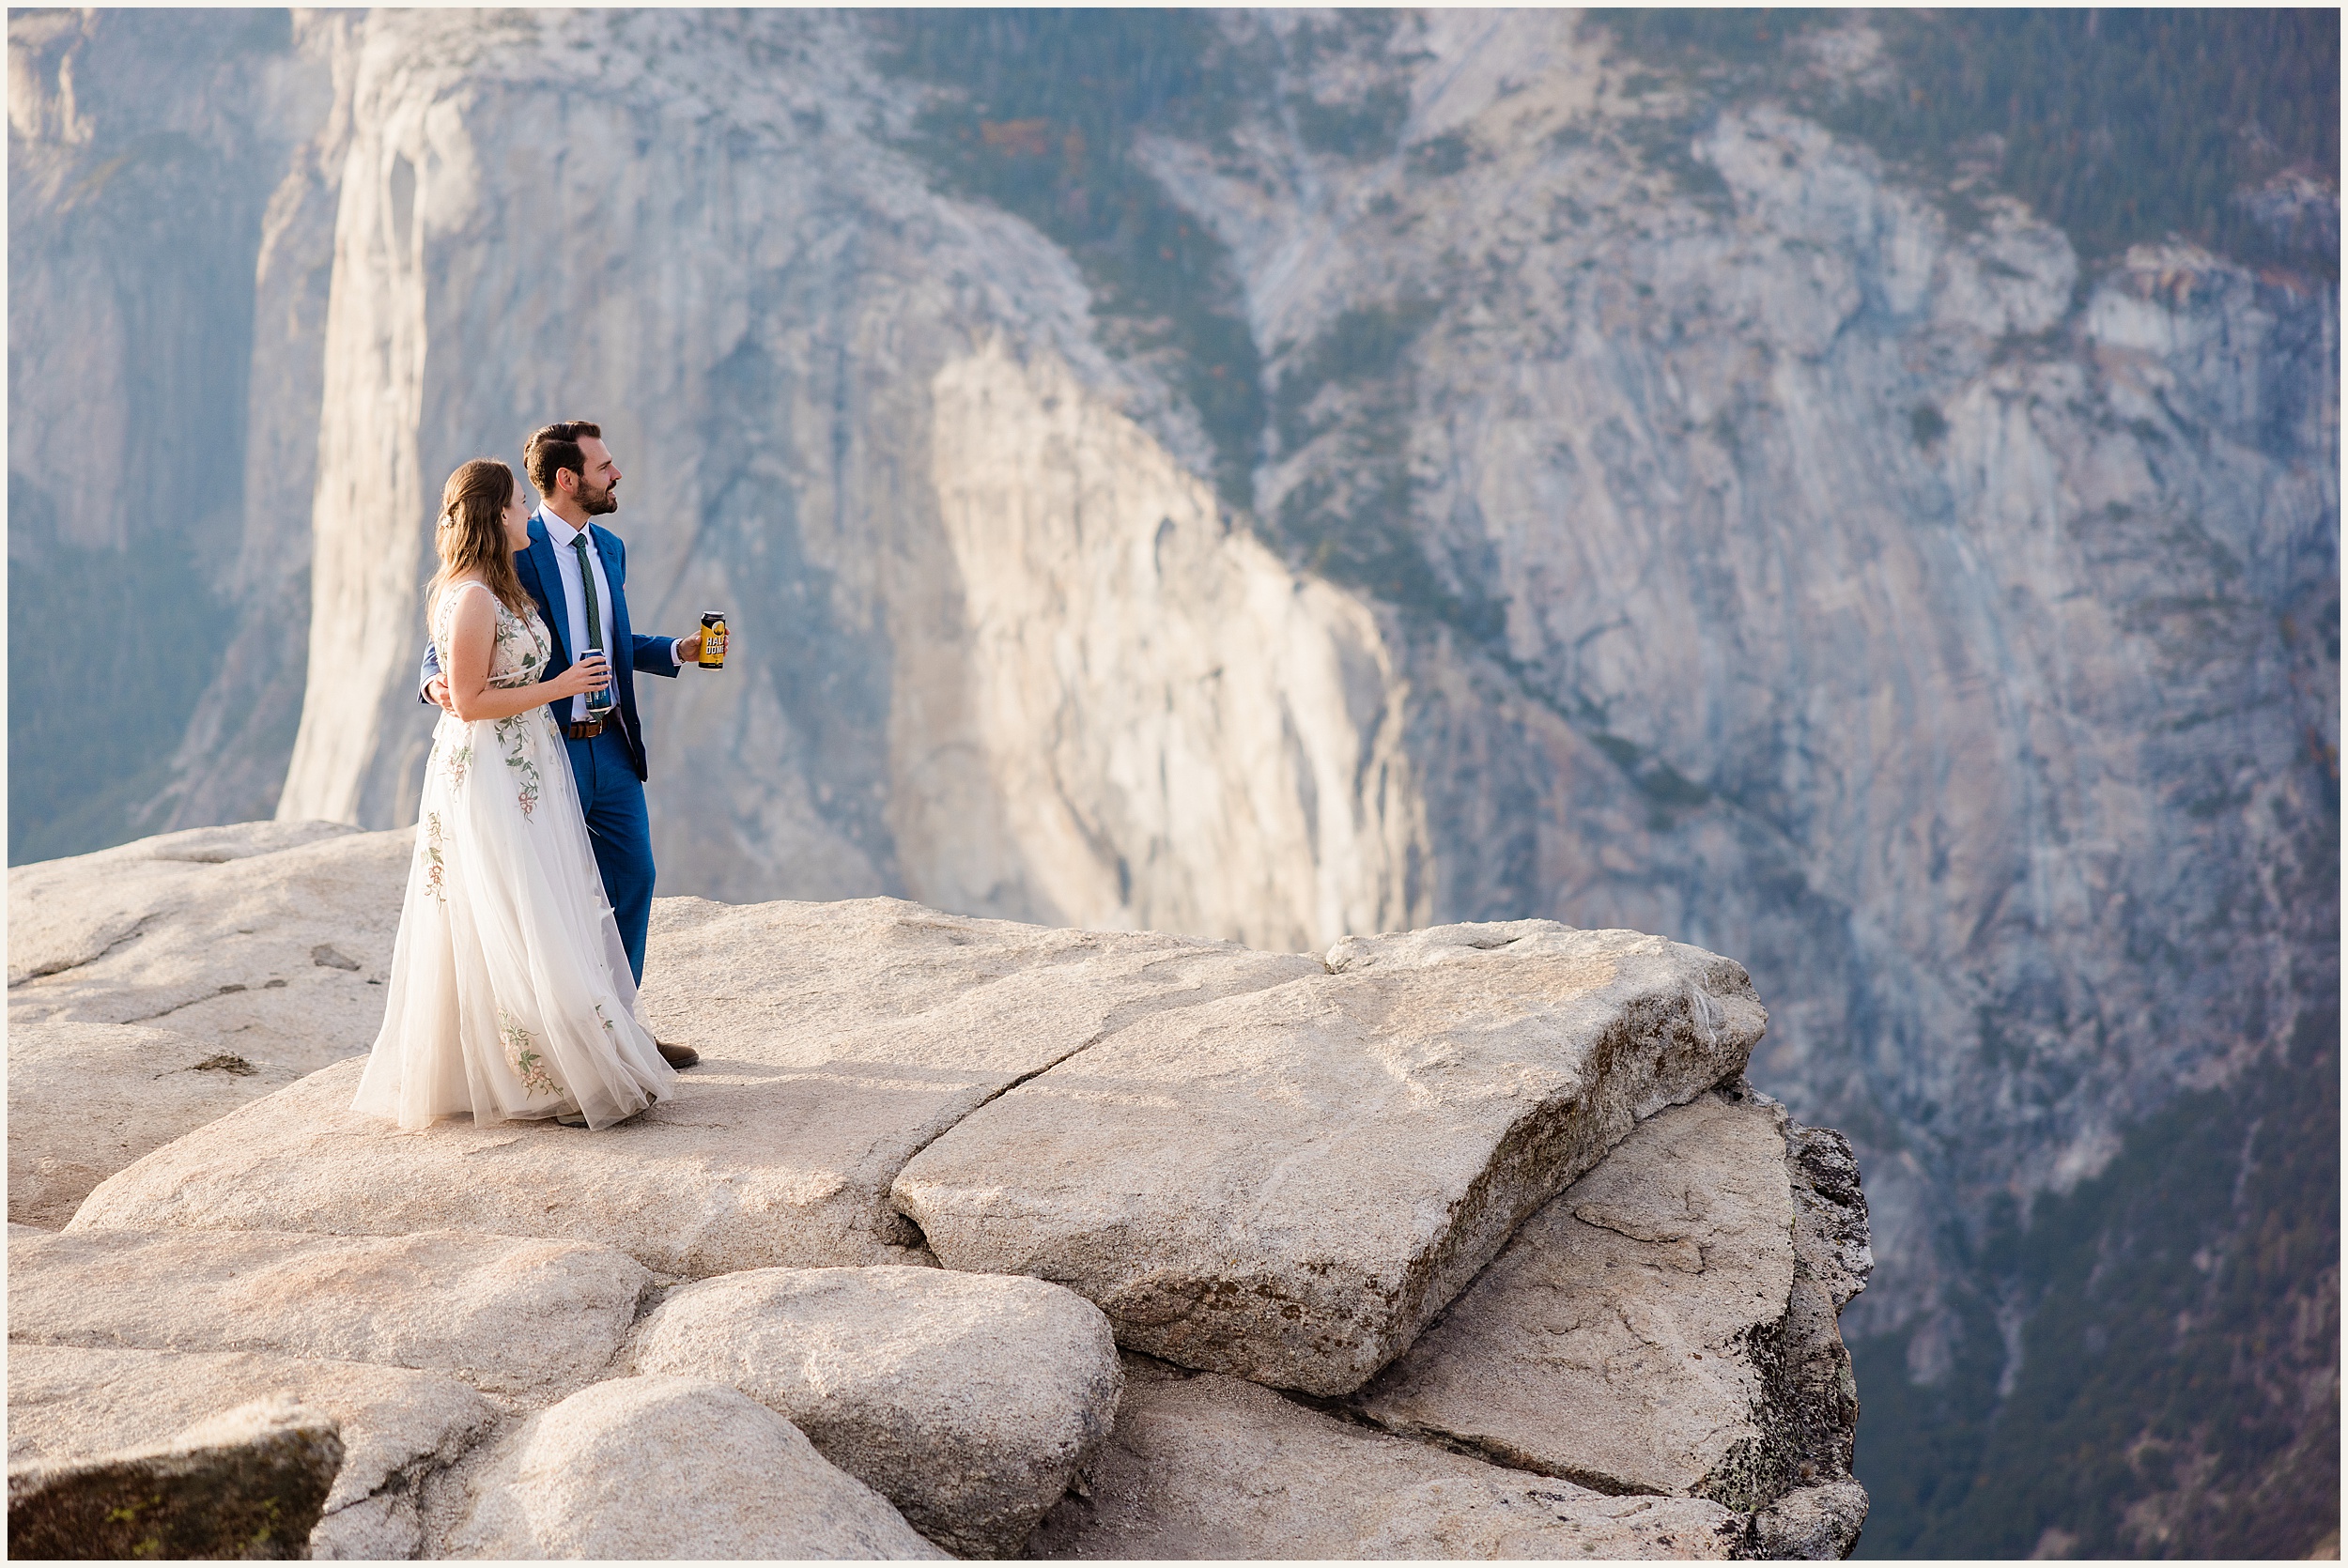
(689, 649)
(437, 692)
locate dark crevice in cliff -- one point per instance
(1492, 1451)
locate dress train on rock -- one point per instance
(510, 994)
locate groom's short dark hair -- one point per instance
(552, 448)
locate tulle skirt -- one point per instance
(510, 994)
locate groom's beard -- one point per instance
(597, 502)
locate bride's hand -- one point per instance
(592, 674)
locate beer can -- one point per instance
(713, 640)
(601, 700)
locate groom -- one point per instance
(577, 571)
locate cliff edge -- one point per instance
(966, 1235)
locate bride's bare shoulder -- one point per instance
(453, 597)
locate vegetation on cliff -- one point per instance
(1038, 116)
(2172, 1391)
(2120, 126)
(2133, 1363)
(2143, 1365)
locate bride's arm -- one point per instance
(471, 644)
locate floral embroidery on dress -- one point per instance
(459, 758)
(514, 736)
(521, 658)
(436, 868)
(520, 645)
(518, 660)
(522, 1052)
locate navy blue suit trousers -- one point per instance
(612, 798)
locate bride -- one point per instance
(510, 992)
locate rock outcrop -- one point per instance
(536, 1341)
(968, 1400)
(1613, 1342)
(398, 1429)
(1210, 1466)
(1288, 1184)
(838, 1040)
(1814, 1524)
(671, 1467)
(246, 1483)
(876, 1053)
(1656, 1329)
(1626, 503)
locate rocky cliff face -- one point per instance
(1001, 648)
(1880, 598)
(174, 180)
(1651, 511)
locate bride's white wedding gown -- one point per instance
(510, 994)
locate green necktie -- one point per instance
(587, 584)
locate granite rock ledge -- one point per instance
(1368, 1224)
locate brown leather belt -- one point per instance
(585, 729)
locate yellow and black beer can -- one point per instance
(713, 640)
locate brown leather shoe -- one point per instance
(677, 1056)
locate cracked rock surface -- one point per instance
(836, 1040)
(1288, 1184)
(967, 1399)
(506, 1316)
(1611, 1342)
(396, 1426)
(1210, 1466)
(1664, 1327)
(878, 1252)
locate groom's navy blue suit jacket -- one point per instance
(543, 581)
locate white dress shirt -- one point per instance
(574, 599)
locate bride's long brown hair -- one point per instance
(471, 534)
